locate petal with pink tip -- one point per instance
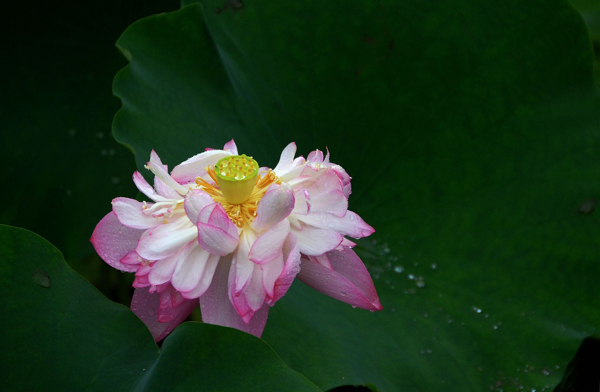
(231, 147)
(326, 195)
(162, 270)
(194, 202)
(349, 281)
(190, 268)
(351, 224)
(166, 239)
(165, 190)
(241, 266)
(255, 292)
(291, 254)
(146, 306)
(268, 245)
(219, 235)
(216, 308)
(333, 202)
(132, 258)
(188, 170)
(315, 157)
(346, 243)
(205, 279)
(131, 213)
(156, 166)
(302, 202)
(271, 272)
(313, 241)
(275, 206)
(326, 159)
(286, 158)
(113, 241)
(141, 183)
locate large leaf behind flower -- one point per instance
(471, 131)
(61, 334)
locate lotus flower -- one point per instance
(232, 236)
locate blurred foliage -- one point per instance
(590, 11)
(66, 336)
(62, 166)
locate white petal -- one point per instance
(190, 268)
(131, 213)
(313, 241)
(196, 166)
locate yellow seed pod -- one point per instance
(236, 176)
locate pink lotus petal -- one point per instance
(231, 147)
(345, 178)
(219, 235)
(190, 267)
(333, 202)
(349, 281)
(166, 239)
(141, 276)
(346, 243)
(141, 183)
(291, 253)
(271, 271)
(219, 218)
(245, 280)
(131, 214)
(326, 159)
(165, 190)
(146, 306)
(315, 157)
(302, 202)
(195, 201)
(205, 279)
(351, 224)
(217, 309)
(326, 195)
(196, 166)
(275, 206)
(156, 166)
(113, 241)
(254, 292)
(314, 241)
(162, 270)
(323, 260)
(241, 266)
(132, 258)
(287, 156)
(268, 245)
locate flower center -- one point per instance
(236, 176)
(238, 187)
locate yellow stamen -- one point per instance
(245, 212)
